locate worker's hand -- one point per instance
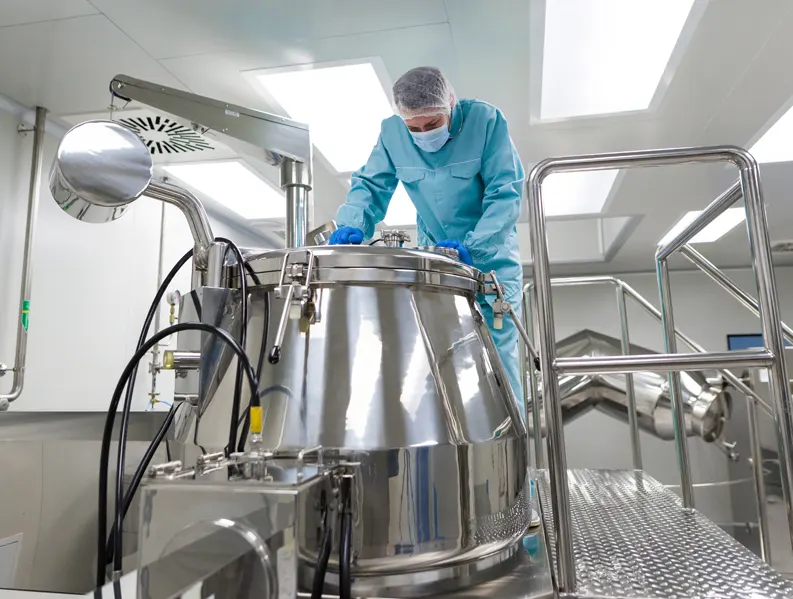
(346, 235)
(465, 255)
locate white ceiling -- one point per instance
(731, 78)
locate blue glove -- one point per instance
(345, 235)
(465, 255)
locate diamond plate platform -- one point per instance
(633, 538)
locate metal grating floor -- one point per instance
(632, 538)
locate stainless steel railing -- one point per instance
(771, 356)
(625, 291)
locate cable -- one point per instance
(237, 399)
(108, 431)
(124, 426)
(376, 241)
(134, 483)
(260, 363)
(321, 568)
(345, 544)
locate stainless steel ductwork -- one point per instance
(707, 405)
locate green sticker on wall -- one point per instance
(25, 314)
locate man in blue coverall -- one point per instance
(461, 170)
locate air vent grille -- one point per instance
(782, 247)
(164, 136)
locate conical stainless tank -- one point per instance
(387, 364)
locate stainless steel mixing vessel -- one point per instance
(386, 362)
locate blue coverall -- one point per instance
(468, 191)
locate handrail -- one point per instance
(749, 179)
(755, 400)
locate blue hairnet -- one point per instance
(423, 91)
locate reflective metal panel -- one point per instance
(99, 168)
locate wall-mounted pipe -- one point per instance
(26, 285)
(27, 115)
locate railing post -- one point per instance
(675, 392)
(557, 461)
(633, 423)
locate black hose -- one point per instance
(375, 242)
(237, 399)
(125, 415)
(345, 544)
(321, 568)
(260, 364)
(139, 472)
(111, 414)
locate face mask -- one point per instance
(433, 140)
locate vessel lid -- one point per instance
(372, 264)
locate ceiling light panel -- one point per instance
(607, 56)
(233, 185)
(343, 106)
(775, 144)
(724, 223)
(565, 194)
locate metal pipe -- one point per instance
(559, 492)
(731, 378)
(759, 483)
(760, 251)
(708, 215)
(751, 358)
(296, 183)
(536, 404)
(728, 285)
(27, 115)
(734, 380)
(193, 210)
(26, 284)
(633, 421)
(557, 460)
(675, 391)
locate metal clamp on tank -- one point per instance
(501, 307)
(294, 287)
(394, 238)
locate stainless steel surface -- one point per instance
(394, 238)
(450, 252)
(625, 346)
(48, 465)
(26, 282)
(100, 167)
(401, 377)
(264, 136)
(758, 480)
(706, 406)
(727, 284)
(675, 388)
(676, 362)
(633, 538)
(708, 215)
(194, 212)
(321, 235)
(531, 386)
(761, 255)
(181, 360)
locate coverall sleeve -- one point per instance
(370, 193)
(503, 175)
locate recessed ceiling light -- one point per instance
(234, 186)
(342, 105)
(724, 223)
(606, 57)
(577, 193)
(774, 145)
